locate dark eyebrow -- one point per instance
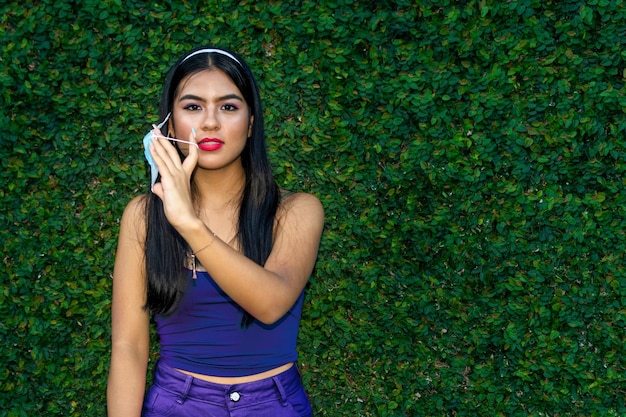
(191, 97)
(226, 97)
(230, 97)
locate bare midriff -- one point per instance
(227, 380)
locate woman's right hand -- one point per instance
(175, 186)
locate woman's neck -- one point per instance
(219, 188)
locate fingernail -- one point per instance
(193, 130)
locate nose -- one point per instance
(211, 120)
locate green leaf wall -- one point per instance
(470, 157)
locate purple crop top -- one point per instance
(204, 334)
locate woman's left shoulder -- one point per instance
(300, 203)
(299, 198)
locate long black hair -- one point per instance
(166, 252)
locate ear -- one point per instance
(250, 125)
(171, 132)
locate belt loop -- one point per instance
(281, 391)
(186, 389)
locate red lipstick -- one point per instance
(210, 144)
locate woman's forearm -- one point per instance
(127, 382)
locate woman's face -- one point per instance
(210, 102)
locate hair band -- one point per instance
(206, 51)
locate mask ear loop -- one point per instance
(160, 125)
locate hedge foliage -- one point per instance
(470, 157)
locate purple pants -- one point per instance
(176, 394)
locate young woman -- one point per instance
(216, 255)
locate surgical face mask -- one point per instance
(147, 140)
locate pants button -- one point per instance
(235, 396)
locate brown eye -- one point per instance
(229, 107)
